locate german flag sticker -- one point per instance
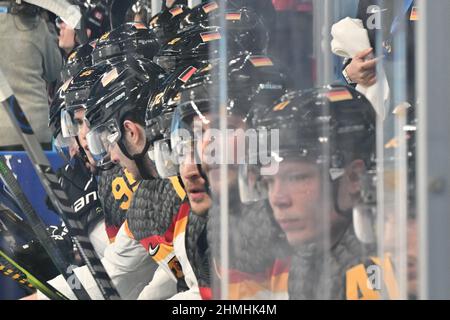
(110, 76)
(139, 25)
(339, 95)
(187, 74)
(176, 11)
(414, 14)
(210, 36)
(207, 8)
(281, 105)
(233, 16)
(261, 61)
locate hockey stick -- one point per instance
(19, 224)
(39, 229)
(8, 201)
(56, 194)
(12, 225)
(12, 269)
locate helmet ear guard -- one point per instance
(364, 212)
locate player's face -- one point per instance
(299, 207)
(66, 39)
(210, 142)
(82, 132)
(118, 157)
(194, 185)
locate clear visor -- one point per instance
(165, 160)
(69, 126)
(100, 141)
(66, 147)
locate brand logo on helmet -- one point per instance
(72, 56)
(105, 36)
(207, 68)
(86, 73)
(172, 42)
(157, 99)
(281, 105)
(119, 97)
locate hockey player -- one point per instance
(78, 59)
(95, 22)
(251, 80)
(117, 135)
(327, 148)
(125, 260)
(115, 185)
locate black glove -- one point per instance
(33, 256)
(81, 187)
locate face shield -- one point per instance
(66, 147)
(70, 127)
(163, 158)
(188, 124)
(75, 100)
(101, 139)
(166, 62)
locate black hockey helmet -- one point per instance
(251, 80)
(200, 16)
(128, 39)
(76, 94)
(166, 23)
(95, 17)
(124, 90)
(245, 34)
(328, 126)
(78, 59)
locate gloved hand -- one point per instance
(33, 256)
(81, 187)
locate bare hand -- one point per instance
(362, 69)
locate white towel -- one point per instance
(349, 38)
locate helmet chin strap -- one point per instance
(83, 154)
(344, 213)
(139, 159)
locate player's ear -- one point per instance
(355, 171)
